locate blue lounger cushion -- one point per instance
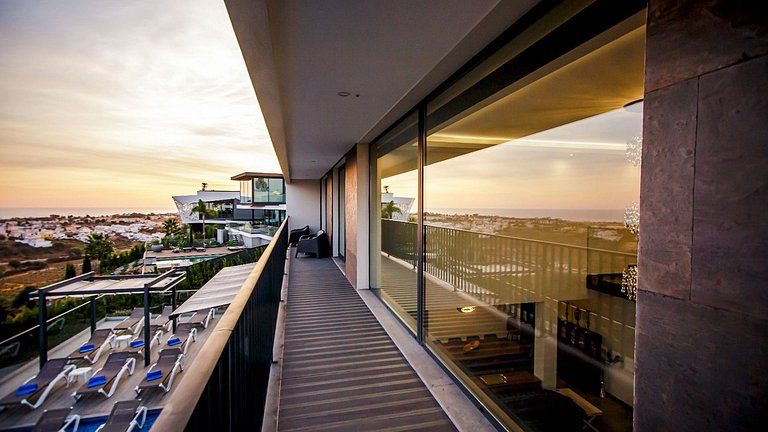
(137, 343)
(87, 348)
(174, 341)
(155, 374)
(26, 389)
(97, 381)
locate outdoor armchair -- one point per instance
(313, 244)
(295, 234)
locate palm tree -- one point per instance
(202, 209)
(171, 227)
(98, 246)
(389, 209)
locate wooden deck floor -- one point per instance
(341, 371)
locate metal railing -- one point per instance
(491, 266)
(224, 387)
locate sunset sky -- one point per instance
(123, 104)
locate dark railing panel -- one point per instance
(224, 389)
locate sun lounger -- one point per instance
(41, 385)
(201, 318)
(118, 363)
(57, 420)
(163, 320)
(161, 374)
(125, 416)
(136, 346)
(181, 339)
(99, 342)
(137, 316)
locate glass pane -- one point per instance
(276, 190)
(525, 242)
(394, 190)
(246, 193)
(260, 190)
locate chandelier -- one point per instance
(635, 150)
(629, 282)
(632, 218)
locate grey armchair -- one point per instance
(295, 235)
(316, 244)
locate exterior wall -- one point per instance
(350, 215)
(701, 323)
(303, 204)
(356, 207)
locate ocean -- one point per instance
(576, 215)
(6, 213)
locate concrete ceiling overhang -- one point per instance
(301, 54)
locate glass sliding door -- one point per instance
(531, 166)
(394, 190)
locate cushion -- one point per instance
(26, 389)
(174, 341)
(137, 343)
(87, 348)
(97, 381)
(155, 374)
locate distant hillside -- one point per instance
(11, 250)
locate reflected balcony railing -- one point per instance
(496, 266)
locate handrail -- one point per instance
(182, 403)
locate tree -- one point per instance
(69, 271)
(171, 227)
(202, 209)
(389, 209)
(98, 246)
(87, 264)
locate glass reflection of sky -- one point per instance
(580, 165)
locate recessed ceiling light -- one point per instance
(466, 309)
(343, 94)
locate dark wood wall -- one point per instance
(702, 310)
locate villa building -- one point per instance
(259, 203)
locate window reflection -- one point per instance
(394, 187)
(525, 242)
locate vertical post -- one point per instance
(147, 341)
(93, 313)
(420, 291)
(173, 305)
(42, 315)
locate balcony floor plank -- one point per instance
(362, 381)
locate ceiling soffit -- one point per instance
(390, 53)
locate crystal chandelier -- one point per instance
(632, 218)
(629, 282)
(635, 150)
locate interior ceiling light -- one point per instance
(343, 94)
(467, 309)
